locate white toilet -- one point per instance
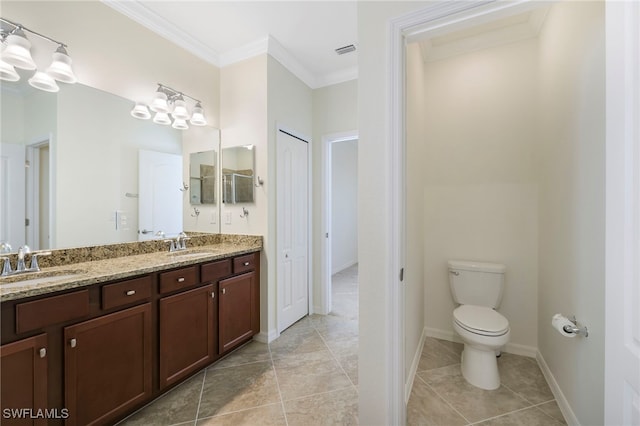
(477, 287)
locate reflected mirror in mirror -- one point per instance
(202, 177)
(237, 174)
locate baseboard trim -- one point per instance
(563, 404)
(408, 386)
(511, 348)
(269, 337)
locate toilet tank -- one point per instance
(476, 283)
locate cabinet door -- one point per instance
(108, 365)
(188, 332)
(238, 310)
(23, 377)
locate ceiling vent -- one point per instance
(345, 49)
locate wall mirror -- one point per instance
(81, 148)
(238, 174)
(202, 177)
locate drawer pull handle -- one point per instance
(181, 279)
(246, 263)
(130, 293)
(43, 352)
(73, 343)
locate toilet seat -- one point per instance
(481, 320)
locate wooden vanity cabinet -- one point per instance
(108, 365)
(23, 377)
(188, 333)
(239, 304)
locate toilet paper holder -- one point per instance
(574, 329)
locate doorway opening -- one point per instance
(38, 195)
(340, 222)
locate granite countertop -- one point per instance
(81, 274)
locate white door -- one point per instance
(622, 270)
(160, 198)
(13, 189)
(293, 229)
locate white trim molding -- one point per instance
(562, 401)
(414, 367)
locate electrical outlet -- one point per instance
(213, 218)
(227, 218)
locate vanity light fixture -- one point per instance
(16, 52)
(171, 108)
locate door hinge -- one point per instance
(401, 274)
(326, 235)
(26, 221)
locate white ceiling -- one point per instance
(302, 35)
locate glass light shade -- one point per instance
(197, 116)
(162, 118)
(141, 111)
(159, 103)
(179, 124)
(8, 72)
(18, 51)
(60, 68)
(43, 81)
(180, 109)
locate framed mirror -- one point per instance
(238, 174)
(202, 178)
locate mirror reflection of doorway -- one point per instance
(37, 204)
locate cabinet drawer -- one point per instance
(214, 271)
(51, 310)
(178, 279)
(244, 263)
(126, 292)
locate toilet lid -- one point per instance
(480, 319)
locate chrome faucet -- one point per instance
(6, 266)
(22, 251)
(181, 241)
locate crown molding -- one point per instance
(337, 77)
(247, 51)
(151, 20)
(282, 55)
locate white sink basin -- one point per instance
(37, 278)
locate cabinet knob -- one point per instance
(73, 343)
(213, 294)
(181, 279)
(42, 352)
(224, 291)
(246, 263)
(130, 293)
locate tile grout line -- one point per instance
(443, 399)
(275, 373)
(204, 378)
(319, 393)
(336, 359)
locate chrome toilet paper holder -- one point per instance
(574, 329)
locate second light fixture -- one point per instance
(169, 103)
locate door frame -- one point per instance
(434, 19)
(32, 154)
(296, 134)
(324, 303)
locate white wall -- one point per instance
(374, 208)
(344, 205)
(572, 115)
(480, 188)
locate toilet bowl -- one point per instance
(483, 332)
(478, 287)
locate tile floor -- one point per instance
(441, 396)
(308, 376)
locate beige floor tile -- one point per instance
(528, 417)
(551, 409)
(238, 388)
(297, 343)
(523, 376)
(332, 408)
(176, 406)
(302, 377)
(436, 355)
(473, 403)
(343, 346)
(349, 364)
(251, 352)
(268, 415)
(426, 408)
(454, 347)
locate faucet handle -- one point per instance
(34, 260)
(6, 266)
(172, 245)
